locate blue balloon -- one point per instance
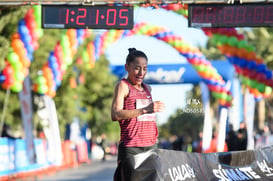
(242, 63)
(231, 60)
(238, 60)
(261, 68)
(209, 82)
(52, 60)
(56, 74)
(23, 30)
(2, 78)
(258, 99)
(30, 56)
(58, 82)
(53, 66)
(29, 48)
(26, 39)
(125, 33)
(268, 74)
(252, 65)
(80, 32)
(22, 22)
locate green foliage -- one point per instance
(211, 52)
(97, 95)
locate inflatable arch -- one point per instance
(204, 68)
(251, 70)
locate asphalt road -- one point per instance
(95, 171)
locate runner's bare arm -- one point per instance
(117, 111)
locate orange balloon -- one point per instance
(17, 44)
(222, 101)
(251, 55)
(25, 61)
(15, 36)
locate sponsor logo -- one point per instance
(164, 76)
(245, 173)
(181, 172)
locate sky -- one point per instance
(158, 52)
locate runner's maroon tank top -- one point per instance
(142, 130)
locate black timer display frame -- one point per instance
(231, 15)
(92, 17)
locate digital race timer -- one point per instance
(234, 15)
(93, 17)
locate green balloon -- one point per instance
(242, 44)
(200, 68)
(216, 95)
(250, 48)
(17, 86)
(232, 41)
(17, 66)
(268, 90)
(42, 89)
(253, 83)
(229, 98)
(40, 80)
(19, 76)
(216, 37)
(223, 40)
(223, 96)
(261, 87)
(247, 81)
(13, 58)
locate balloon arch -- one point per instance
(251, 69)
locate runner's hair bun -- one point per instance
(131, 50)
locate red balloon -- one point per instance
(252, 75)
(9, 81)
(261, 77)
(8, 70)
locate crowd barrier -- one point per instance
(14, 163)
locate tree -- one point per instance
(187, 121)
(97, 97)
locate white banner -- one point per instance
(222, 130)
(249, 111)
(235, 114)
(26, 113)
(52, 133)
(207, 128)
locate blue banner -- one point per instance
(176, 73)
(21, 159)
(6, 156)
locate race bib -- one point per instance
(141, 103)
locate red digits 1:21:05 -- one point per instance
(99, 17)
